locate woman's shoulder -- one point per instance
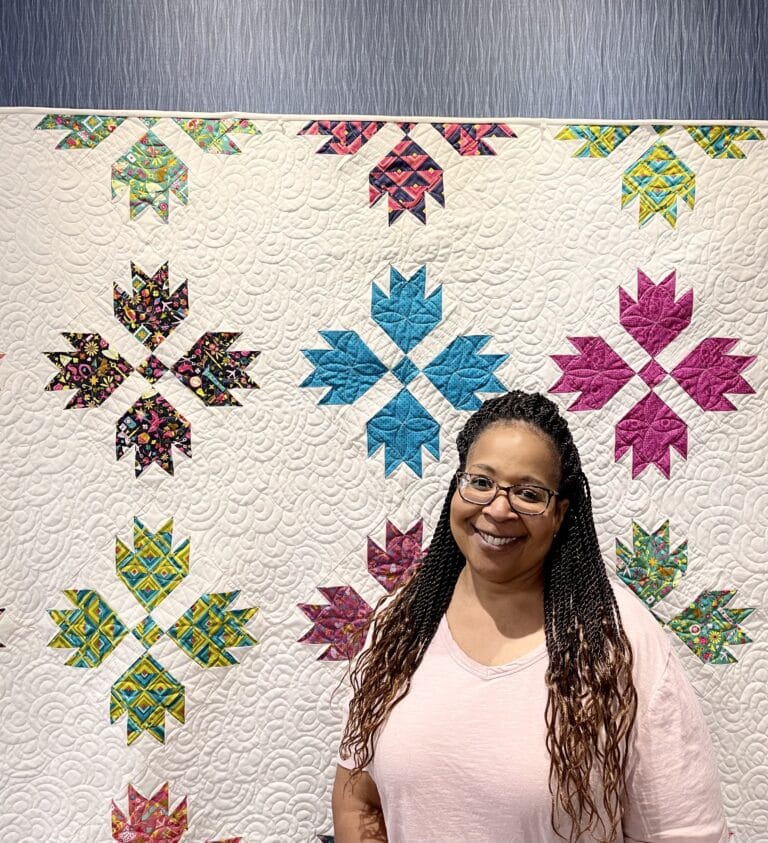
(651, 646)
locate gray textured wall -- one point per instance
(683, 59)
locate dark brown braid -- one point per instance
(591, 702)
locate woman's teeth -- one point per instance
(496, 541)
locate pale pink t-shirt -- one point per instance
(462, 758)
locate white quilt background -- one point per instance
(279, 496)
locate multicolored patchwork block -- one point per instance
(599, 140)
(649, 567)
(397, 563)
(151, 312)
(150, 820)
(211, 134)
(471, 138)
(93, 369)
(209, 627)
(720, 141)
(343, 622)
(707, 626)
(92, 628)
(211, 371)
(84, 131)
(152, 425)
(407, 173)
(152, 570)
(347, 136)
(144, 693)
(150, 170)
(659, 178)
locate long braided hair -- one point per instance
(591, 701)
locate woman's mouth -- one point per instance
(495, 541)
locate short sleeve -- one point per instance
(673, 787)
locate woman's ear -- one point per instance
(560, 509)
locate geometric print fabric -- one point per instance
(151, 571)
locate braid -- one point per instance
(591, 702)
(434, 587)
(416, 614)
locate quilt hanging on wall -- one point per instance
(237, 350)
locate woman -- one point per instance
(510, 694)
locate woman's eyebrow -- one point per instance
(536, 481)
(483, 466)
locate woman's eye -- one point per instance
(482, 484)
(530, 494)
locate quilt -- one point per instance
(236, 352)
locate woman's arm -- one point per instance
(357, 816)
(673, 784)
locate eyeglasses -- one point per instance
(523, 499)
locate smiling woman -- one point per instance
(509, 693)
(505, 536)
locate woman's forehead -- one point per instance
(515, 446)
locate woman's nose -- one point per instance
(499, 507)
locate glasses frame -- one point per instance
(551, 493)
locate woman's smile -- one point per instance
(494, 540)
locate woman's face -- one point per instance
(499, 544)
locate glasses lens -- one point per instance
(529, 499)
(475, 488)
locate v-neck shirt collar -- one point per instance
(484, 671)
